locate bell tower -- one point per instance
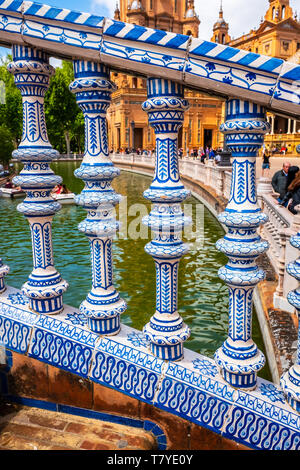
(279, 10)
(191, 21)
(220, 29)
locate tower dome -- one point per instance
(190, 13)
(136, 5)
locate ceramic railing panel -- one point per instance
(165, 106)
(32, 72)
(290, 381)
(222, 69)
(92, 87)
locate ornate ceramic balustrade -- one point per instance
(165, 106)
(32, 75)
(93, 88)
(290, 381)
(223, 70)
(238, 358)
(223, 394)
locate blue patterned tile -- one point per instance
(233, 79)
(258, 432)
(62, 344)
(130, 369)
(16, 322)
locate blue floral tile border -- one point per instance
(191, 388)
(201, 64)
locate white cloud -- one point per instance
(103, 7)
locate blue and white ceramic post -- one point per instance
(103, 305)
(290, 381)
(239, 359)
(4, 270)
(165, 106)
(32, 72)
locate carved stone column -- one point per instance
(239, 359)
(93, 89)
(290, 381)
(165, 106)
(32, 73)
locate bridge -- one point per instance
(147, 375)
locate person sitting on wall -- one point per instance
(280, 180)
(217, 159)
(293, 192)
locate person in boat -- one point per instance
(57, 189)
(8, 184)
(64, 190)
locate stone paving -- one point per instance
(26, 428)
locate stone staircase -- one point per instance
(26, 428)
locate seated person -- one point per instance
(64, 189)
(293, 193)
(8, 184)
(57, 189)
(280, 181)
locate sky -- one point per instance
(242, 15)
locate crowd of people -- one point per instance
(201, 154)
(286, 183)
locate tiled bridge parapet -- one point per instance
(190, 390)
(203, 65)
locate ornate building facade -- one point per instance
(278, 35)
(127, 123)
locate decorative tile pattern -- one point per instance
(224, 70)
(260, 433)
(46, 11)
(190, 388)
(131, 369)
(18, 299)
(62, 344)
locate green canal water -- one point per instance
(203, 297)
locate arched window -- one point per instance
(223, 38)
(273, 13)
(283, 13)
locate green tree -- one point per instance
(64, 119)
(6, 144)
(62, 113)
(11, 113)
